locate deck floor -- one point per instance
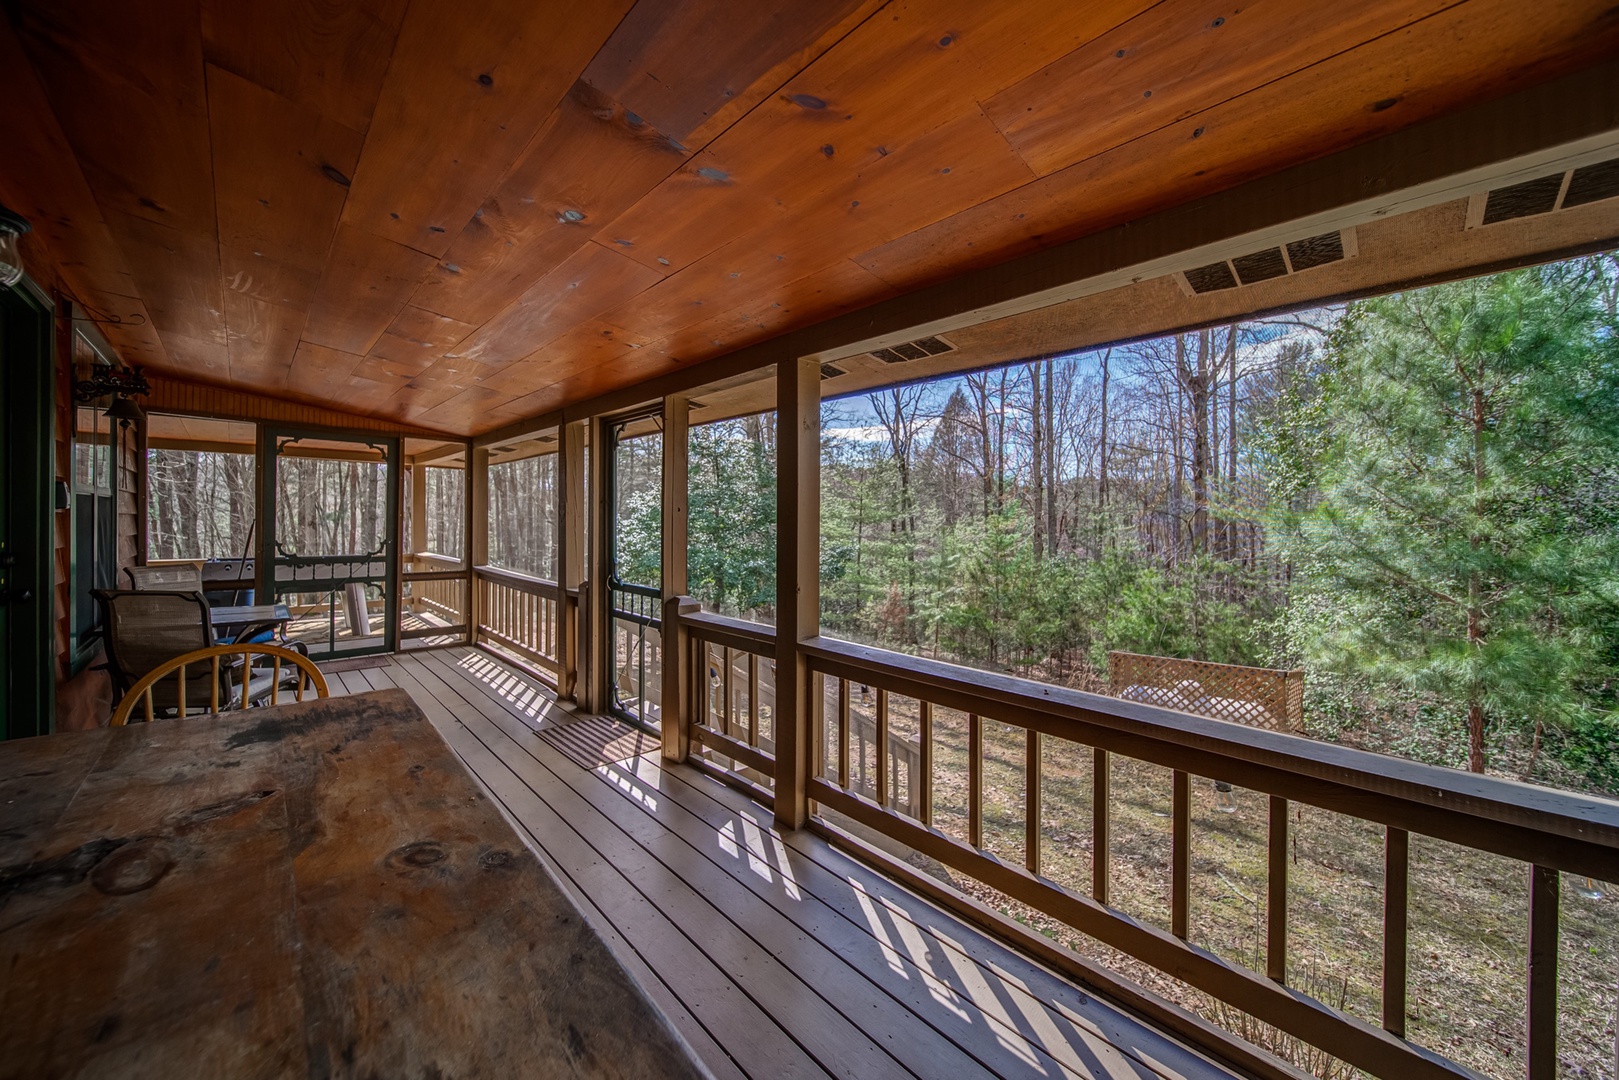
(773, 954)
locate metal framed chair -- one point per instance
(221, 692)
(184, 578)
(145, 629)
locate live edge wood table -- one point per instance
(312, 890)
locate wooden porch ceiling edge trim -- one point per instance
(192, 397)
(1557, 124)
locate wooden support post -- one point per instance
(798, 586)
(1544, 882)
(417, 542)
(477, 534)
(686, 708)
(569, 497)
(671, 674)
(596, 650)
(143, 489)
(1276, 894)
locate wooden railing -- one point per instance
(731, 693)
(1553, 831)
(436, 585)
(518, 613)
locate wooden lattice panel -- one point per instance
(1258, 697)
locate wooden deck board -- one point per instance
(771, 954)
(974, 997)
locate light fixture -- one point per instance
(12, 225)
(125, 410)
(1225, 800)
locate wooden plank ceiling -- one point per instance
(459, 215)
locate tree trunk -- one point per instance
(1036, 469)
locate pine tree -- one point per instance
(1459, 538)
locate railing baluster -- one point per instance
(882, 747)
(975, 781)
(726, 720)
(753, 699)
(1276, 894)
(1180, 857)
(1396, 893)
(925, 793)
(1544, 882)
(843, 733)
(182, 699)
(1031, 801)
(1101, 818)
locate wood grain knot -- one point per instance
(132, 868)
(417, 855)
(494, 860)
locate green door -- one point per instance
(26, 676)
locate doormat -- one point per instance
(355, 663)
(600, 740)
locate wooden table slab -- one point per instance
(316, 890)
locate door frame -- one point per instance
(28, 375)
(270, 435)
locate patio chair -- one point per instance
(145, 630)
(212, 667)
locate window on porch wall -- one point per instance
(1194, 498)
(522, 515)
(199, 503)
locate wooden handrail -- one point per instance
(735, 633)
(433, 556)
(521, 582)
(1559, 829)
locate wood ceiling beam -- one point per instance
(1559, 124)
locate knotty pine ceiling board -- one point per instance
(208, 360)
(468, 87)
(591, 162)
(367, 282)
(794, 304)
(592, 280)
(261, 341)
(177, 274)
(677, 66)
(278, 204)
(320, 373)
(126, 84)
(1174, 60)
(746, 169)
(55, 199)
(700, 207)
(952, 167)
(329, 58)
(416, 338)
(1473, 51)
